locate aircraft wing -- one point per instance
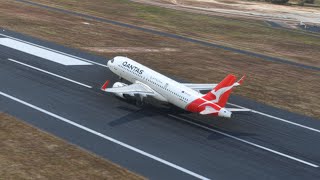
(132, 89)
(200, 87)
(210, 110)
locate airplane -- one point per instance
(187, 96)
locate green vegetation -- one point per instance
(244, 34)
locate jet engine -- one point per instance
(119, 84)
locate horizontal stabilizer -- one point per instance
(200, 87)
(238, 110)
(208, 110)
(240, 81)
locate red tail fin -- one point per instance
(222, 91)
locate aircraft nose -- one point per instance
(110, 62)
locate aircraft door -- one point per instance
(166, 86)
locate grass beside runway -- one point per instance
(251, 35)
(279, 85)
(27, 152)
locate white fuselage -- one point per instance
(168, 89)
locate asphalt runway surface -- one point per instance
(175, 36)
(158, 142)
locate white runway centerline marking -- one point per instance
(277, 118)
(245, 141)
(106, 137)
(50, 73)
(41, 52)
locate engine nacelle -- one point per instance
(119, 84)
(135, 97)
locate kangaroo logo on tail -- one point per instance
(222, 91)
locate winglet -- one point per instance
(104, 86)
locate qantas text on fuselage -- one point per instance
(132, 67)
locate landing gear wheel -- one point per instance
(140, 103)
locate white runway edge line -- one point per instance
(247, 142)
(277, 118)
(49, 49)
(106, 137)
(50, 73)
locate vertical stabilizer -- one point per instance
(220, 94)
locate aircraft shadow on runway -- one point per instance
(132, 116)
(149, 110)
(152, 110)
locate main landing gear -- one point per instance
(139, 101)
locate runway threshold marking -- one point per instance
(247, 142)
(45, 48)
(50, 73)
(277, 118)
(139, 151)
(41, 52)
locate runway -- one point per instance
(156, 142)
